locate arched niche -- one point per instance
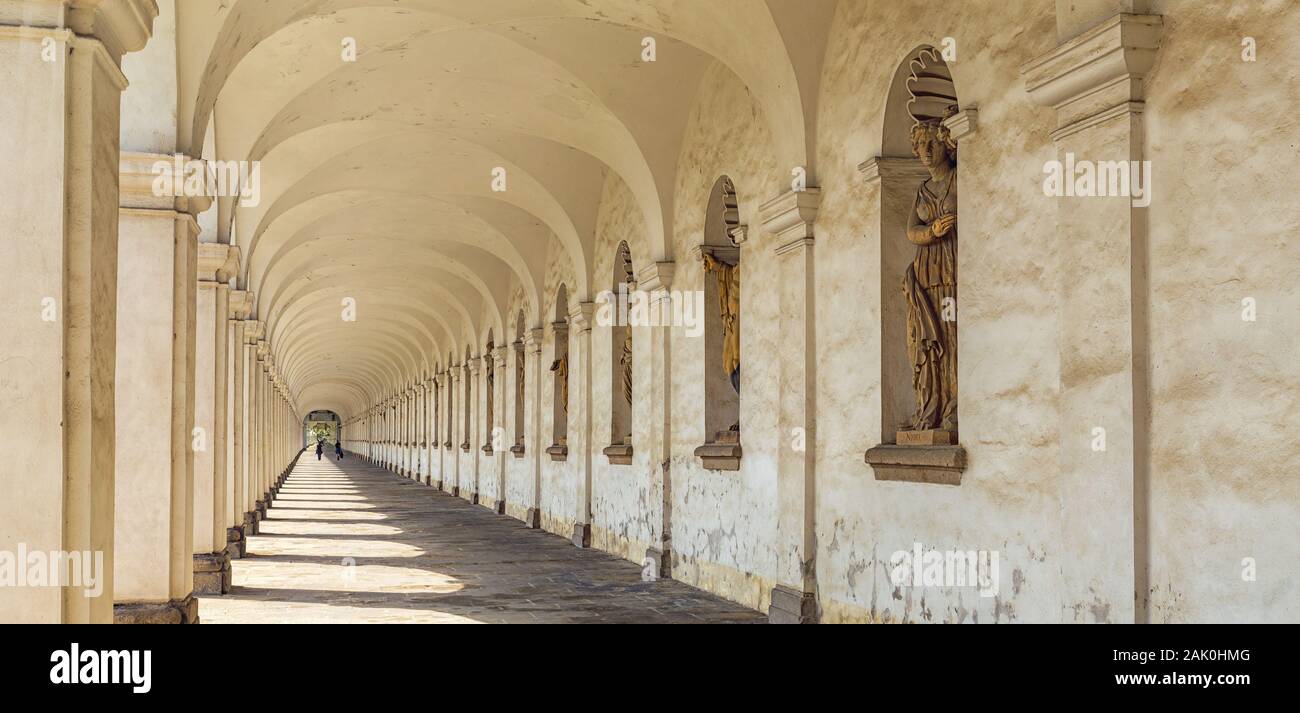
(517, 352)
(720, 253)
(622, 284)
(559, 449)
(489, 393)
(917, 315)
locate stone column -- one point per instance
(499, 447)
(216, 264)
(430, 429)
(241, 304)
(1095, 81)
(439, 426)
(248, 455)
(457, 425)
(789, 218)
(154, 416)
(656, 279)
(473, 368)
(533, 422)
(580, 320)
(59, 126)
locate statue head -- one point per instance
(932, 142)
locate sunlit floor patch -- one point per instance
(361, 545)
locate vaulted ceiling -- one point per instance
(377, 174)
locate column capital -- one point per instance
(1097, 75)
(472, 365)
(790, 217)
(121, 25)
(656, 276)
(138, 171)
(217, 262)
(533, 340)
(241, 304)
(581, 316)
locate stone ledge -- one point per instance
(720, 456)
(176, 611)
(791, 606)
(212, 573)
(939, 465)
(236, 544)
(558, 452)
(619, 454)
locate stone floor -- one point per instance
(347, 542)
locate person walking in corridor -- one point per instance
(320, 448)
(338, 449)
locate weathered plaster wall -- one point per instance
(1223, 223)
(560, 486)
(723, 522)
(1006, 320)
(625, 500)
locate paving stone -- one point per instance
(348, 542)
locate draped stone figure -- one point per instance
(626, 361)
(561, 368)
(930, 284)
(728, 277)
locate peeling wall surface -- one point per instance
(465, 179)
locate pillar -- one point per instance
(533, 422)
(216, 265)
(499, 447)
(789, 219)
(157, 256)
(1095, 81)
(581, 320)
(656, 279)
(59, 126)
(241, 303)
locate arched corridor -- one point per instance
(675, 282)
(348, 542)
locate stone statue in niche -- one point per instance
(561, 368)
(626, 359)
(930, 287)
(728, 278)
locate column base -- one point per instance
(260, 507)
(236, 545)
(251, 526)
(533, 518)
(581, 535)
(791, 606)
(212, 573)
(657, 562)
(501, 507)
(473, 498)
(177, 611)
(455, 491)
